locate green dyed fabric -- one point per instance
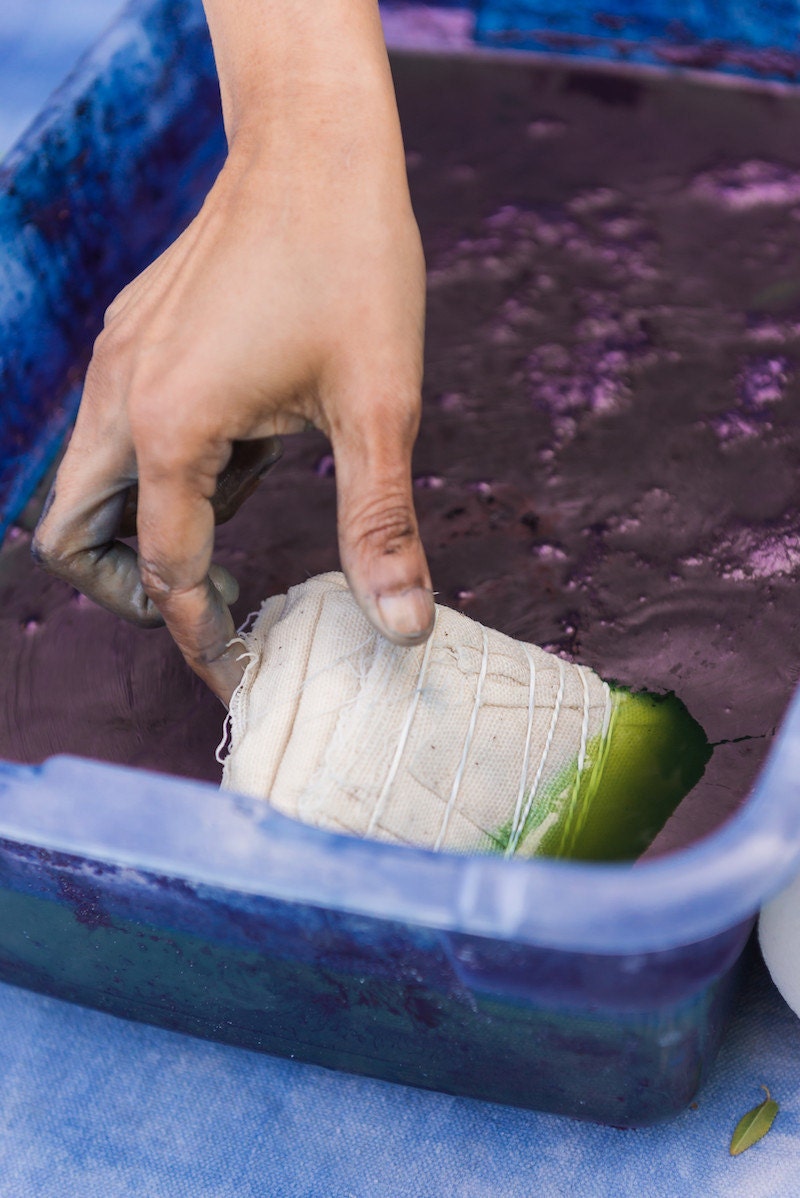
(633, 778)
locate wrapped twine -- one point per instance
(472, 742)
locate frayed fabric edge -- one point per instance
(234, 717)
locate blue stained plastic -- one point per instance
(595, 991)
(759, 39)
(121, 156)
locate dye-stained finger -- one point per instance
(76, 536)
(379, 542)
(175, 525)
(249, 462)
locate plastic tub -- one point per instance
(594, 991)
(598, 992)
(751, 39)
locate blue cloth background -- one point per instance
(96, 1107)
(39, 42)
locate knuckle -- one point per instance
(186, 609)
(155, 581)
(397, 416)
(161, 583)
(175, 453)
(158, 431)
(393, 414)
(383, 412)
(107, 348)
(115, 308)
(165, 412)
(110, 316)
(55, 544)
(40, 551)
(50, 554)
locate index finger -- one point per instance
(75, 538)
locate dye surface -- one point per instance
(609, 451)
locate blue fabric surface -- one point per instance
(97, 1107)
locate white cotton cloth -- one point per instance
(779, 938)
(471, 742)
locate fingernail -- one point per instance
(408, 614)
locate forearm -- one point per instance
(307, 67)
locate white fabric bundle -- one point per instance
(472, 742)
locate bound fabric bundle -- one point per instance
(473, 742)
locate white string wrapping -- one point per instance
(515, 822)
(543, 760)
(462, 741)
(573, 816)
(606, 712)
(401, 743)
(462, 765)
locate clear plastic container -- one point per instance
(594, 991)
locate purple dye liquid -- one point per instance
(609, 454)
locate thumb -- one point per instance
(381, 553)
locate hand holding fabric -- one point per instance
(295, 297)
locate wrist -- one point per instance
(298, 117)
(311, 64)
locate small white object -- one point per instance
(779, 937)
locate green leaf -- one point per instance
(755, 1124)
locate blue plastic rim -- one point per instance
(760, 39)
(593, 990)
(190, 830)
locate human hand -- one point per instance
(296, 296)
